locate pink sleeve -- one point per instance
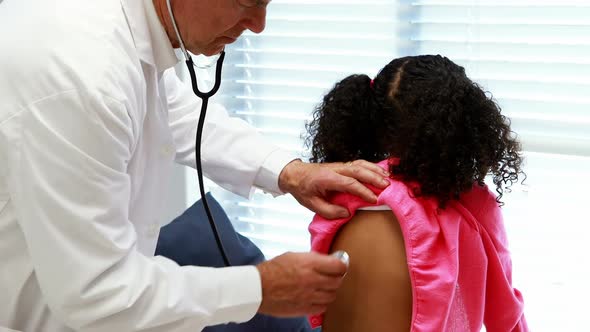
(504, 306)
(323, 231)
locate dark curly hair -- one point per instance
(447, 133)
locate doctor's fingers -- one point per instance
(321, 206)
(346, 183)
(323, 298)
(318, 301)
(360, 163)
(329, 267)
(363, 171)
(327, 284)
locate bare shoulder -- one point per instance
(376, 294)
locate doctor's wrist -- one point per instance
(290, 175)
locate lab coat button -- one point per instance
(170, 149)
(167, 151)
(153, 230)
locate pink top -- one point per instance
(458, 259)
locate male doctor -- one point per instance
(91, 119)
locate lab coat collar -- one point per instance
(151, 40)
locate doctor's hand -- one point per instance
(297, 284)
(311, 183)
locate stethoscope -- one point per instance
(205, 101)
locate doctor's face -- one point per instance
(206, 26)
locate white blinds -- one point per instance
(534, 56)
(274, 80)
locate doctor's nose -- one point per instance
(255, 20)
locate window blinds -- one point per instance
(274, 80)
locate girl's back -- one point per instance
(376, 294)
(422, 268)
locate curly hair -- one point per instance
(423, 110)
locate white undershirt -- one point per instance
(376, 208)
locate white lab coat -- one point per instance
(90, 123)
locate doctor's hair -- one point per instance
(423, 110)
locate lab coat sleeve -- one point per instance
(71, 191)
(234, 154)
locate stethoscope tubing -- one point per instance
(198, 139)
(199, 135)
